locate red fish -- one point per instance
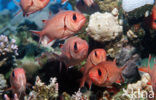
(31, 6)
(89, 3)
(62, 25)
(106, 73)
(150, 21)
(74, 51)
(153, 18)
(152, 73)
(18, 81)
(95, 57)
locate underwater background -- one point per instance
(124, 29)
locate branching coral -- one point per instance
(8, 51)
(79, 96)
(44, 92)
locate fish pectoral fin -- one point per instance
(143, 69)
(90, 84)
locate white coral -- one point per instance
(7, 46)
(79, 96)
(104, 26)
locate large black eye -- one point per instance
(75, 46)
(95, 54)
(99, 72)
(74, 17)
(154, 21)
(13, 74)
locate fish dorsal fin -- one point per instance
(114, 61)
(149, 69)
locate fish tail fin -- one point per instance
(143, 69)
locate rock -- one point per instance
(124, 55)
(131, 72)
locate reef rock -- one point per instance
(103, 27)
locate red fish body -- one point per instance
(62, 25)
(32, 6)
(106, 73)
(95, 57)
(18, 81)
(74, 51)
(153, 18)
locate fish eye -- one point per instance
(95, 54)
(13, 74)
(75, 46)
(99, 72)
(74, 17)
(154, 21)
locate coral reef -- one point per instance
(3, 84)
(103, 27)
(122, 30)
(8, 53)
(142, 87)
(44, 92)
